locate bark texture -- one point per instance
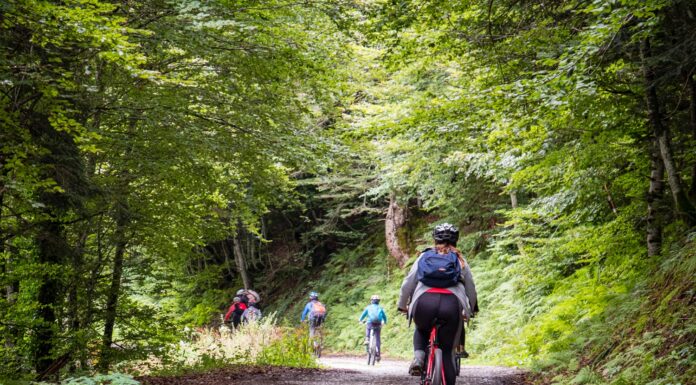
(664, 140)
(240, 262)
(122, 215)
(692, 111)
(655, 191)
(395, 221)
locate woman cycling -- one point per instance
(439, 285)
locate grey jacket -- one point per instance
(412, 289)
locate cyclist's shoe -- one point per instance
(416, 367)
(378, 358)
(366, 341)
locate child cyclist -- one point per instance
(376, 317)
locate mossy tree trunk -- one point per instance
(692, 120)
(655, 191)
(240, 261)
(664, 140)
(393, 225)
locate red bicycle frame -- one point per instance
(432, 346)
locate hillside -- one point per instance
(637, 331)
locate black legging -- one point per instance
(446, 308)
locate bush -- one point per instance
(293, 349)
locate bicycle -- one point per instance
(435, 370)
(317, 340)
(372, 349)
(458, 355)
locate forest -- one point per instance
(158, 155)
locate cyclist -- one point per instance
(376, 317)
(241, 294)
(439, 285)
(315, 312)
(246, 295)
(252, 313)
(235, 312)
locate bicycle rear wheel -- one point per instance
(373, 348)
(317, 342)
(438, 369)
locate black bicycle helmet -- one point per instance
(446, 233)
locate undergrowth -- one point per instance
(257, 343)
(345, 285)
(646, 335)
(619, 321)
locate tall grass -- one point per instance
(263, 342)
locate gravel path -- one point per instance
(343, 371)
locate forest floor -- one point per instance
(339, 370)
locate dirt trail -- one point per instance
(391, 372)
(344, 371)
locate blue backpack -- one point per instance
(373, 314)
(439, 270)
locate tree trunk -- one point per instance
(122, 215)
(50, 248)
(395, 220)
(692, 109)
(655, 191)
(92, 283)
(11, 288)
(239, 259)
(61, 163)
(664, 140)
(514, 204)
(76, 280)
(683, 204)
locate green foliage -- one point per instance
(293, 349)
(155, 153)
(137, 135)
(475, 102)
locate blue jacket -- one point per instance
(307, 309)
(374, 309)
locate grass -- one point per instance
(258, 343)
